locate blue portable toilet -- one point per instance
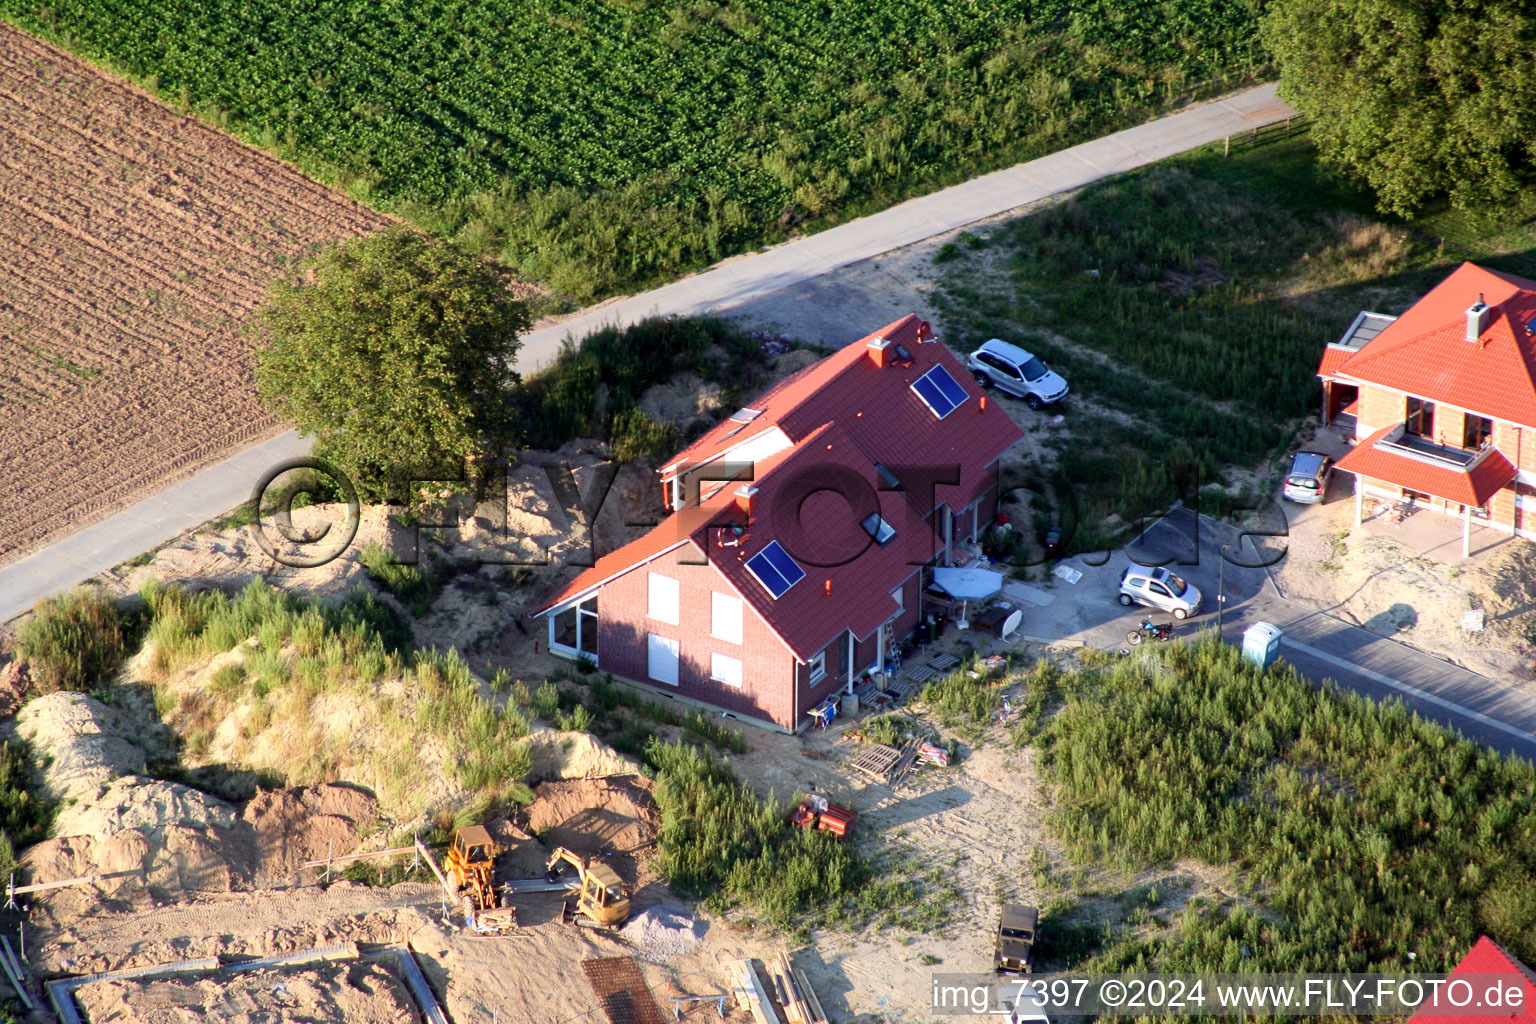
(1261, 643)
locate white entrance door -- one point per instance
(661, 659)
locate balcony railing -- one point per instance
(1400, 442)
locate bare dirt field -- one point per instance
(135, 241)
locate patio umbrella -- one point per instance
(966, 585)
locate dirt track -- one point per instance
(133, 243)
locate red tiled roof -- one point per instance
(1333, 358)
(1425, 352)
(842, 415)
(820, 532)
(1486, 957)
(880, 412)
(1465, 487)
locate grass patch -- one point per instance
(1356, 831)
(340, 684)
(73, 642)
(759, 119)
(414, 587)
(24, 814)
(1192, 300)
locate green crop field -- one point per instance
(599, 145)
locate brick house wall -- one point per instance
(623, 624)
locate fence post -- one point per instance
(1226, 146)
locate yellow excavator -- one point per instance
(600, 902)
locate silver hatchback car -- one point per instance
(1307, 482)
(1158, 588)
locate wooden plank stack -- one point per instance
(795, 994)
(749, 992)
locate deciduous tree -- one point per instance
(1419, 98)
(395, 351)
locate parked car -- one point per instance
(1011, 369)
(1015, 951)
(1158, 588)
(1023, 1005)
(1308, 479)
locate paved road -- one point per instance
(141, 527)
(1320, 645)
(793, 262)
(221, 487)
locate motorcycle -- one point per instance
(1147, 631)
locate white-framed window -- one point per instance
(899, 595)
(663, 603)
(725, 669)
(818, 666)
(725, 618)
(661, 658)
(573, 630)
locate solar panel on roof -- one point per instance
(774, 569)
(939, 391)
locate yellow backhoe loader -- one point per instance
(600, 901)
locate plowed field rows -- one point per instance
(133, 243)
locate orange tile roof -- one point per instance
(1465, 487)
(1486, 958)
(1424, 352)
(1333, 358)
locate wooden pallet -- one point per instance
(876, 761)
(621, 991)
(920, 673)
(944, 662)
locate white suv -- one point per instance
(1158, 588)
(1011, 369)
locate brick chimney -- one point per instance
(882, 352)
(747, 495)
(1478, 315)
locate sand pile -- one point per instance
(613, 819)
(296, 825)
(663, 931)
(574, 755)
(113, 820)
(358, 993)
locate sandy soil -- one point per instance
(1378, 576)
(358, 993)
(136, 241)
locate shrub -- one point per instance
(409, 583)
(546, 700)
(24, 815)
(73, 642)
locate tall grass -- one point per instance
(1361, 831)
(720, 841)
(1192, 300)
(24, 813)
(305, 651)
(410, 583)
(73, 642)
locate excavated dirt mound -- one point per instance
(613, 819)
(574, 755)
(358, 993)
(296, 825)
(166, 836)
